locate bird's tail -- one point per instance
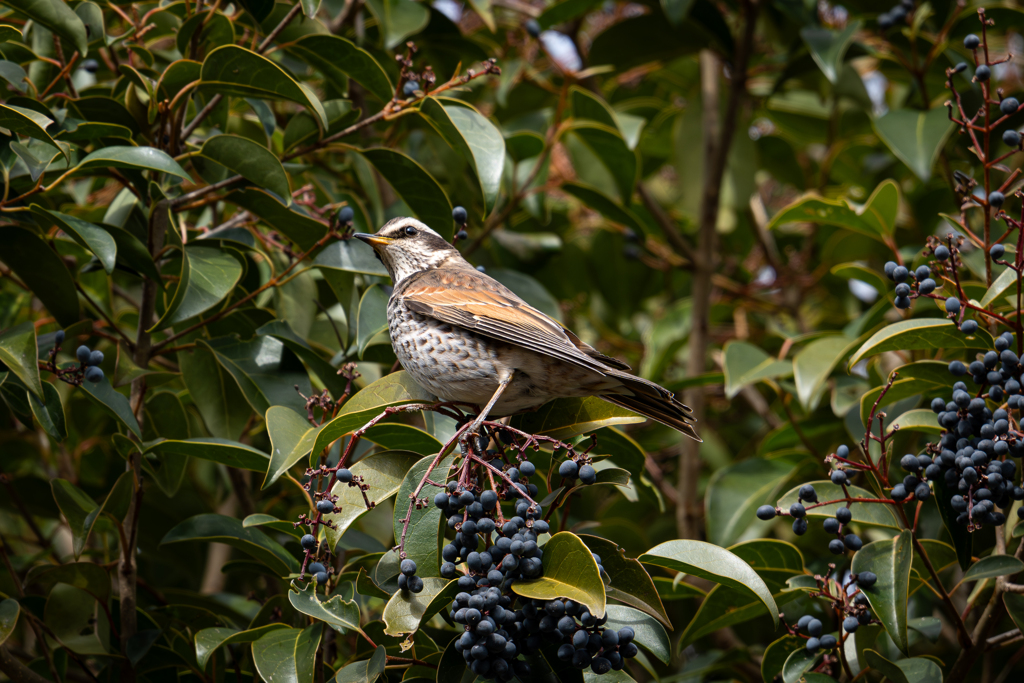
(655, 402)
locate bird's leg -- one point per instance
(504, 382)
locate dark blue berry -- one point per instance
(459, 215)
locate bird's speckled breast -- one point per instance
(456, 364)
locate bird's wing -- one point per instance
(475, 301)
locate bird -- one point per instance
(466, 338)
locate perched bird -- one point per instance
(467, 338)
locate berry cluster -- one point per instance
(461, 218)
(908, 283)
(897, 15)
(851, 606)
(832, 525)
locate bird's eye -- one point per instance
(410, 231)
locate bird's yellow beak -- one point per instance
(373, 240)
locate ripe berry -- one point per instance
(952, 305)
(996, 199)
(926, 286)
(866, 579)
(315, 568)
(58, 338)
(902, 289)
(997, 251)
(459, 215)
(766, 512)
(969, 326)
(800, 526)
(91, 65)
(836, 547)
(899, 492)
(828, 642)
(982, 73)
(971, 42)
(1009, 106)
(890, 267)
(801, 624)
(462, 235)
(410, 88)
(812, 645)
(324, 507)
(838, 477)
(960, 67)
(850, 624)
(902, 302)
(568, 469)
(527, 468)
(900, 274)
(797, 510)
(853, 541)
(831, 525)
(321, 578)
(95, 358)
(532, 27)
(82, 353)
(308, 542)
(844, 515)
(344, 475)
(415, 584)
(345, 215)
(408, 567)
(942, 252)
(588, 475)
(94, 374)
(808, 493)
(814, 628)
(885, 22)
(1011, 138)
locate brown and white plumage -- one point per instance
(460, 332)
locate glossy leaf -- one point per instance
(334, 52)
(214, 392)
(114, 403)
(915, 137)
(609, 146)
(650, 634)
(415, 186)
(710, 562)
(828, 48)
(265, 370)
(252, 161)
(406, 610)
(734, 493)
(744, 363)
(797, 664)
(815, 362)
(230, 453)
(291, 438)
(208, 275)
(297, 226)
(89, 577)
(49, 411)
(630, 582)
(351, 256)
(42, 271)
(992, 566)
(372, 318)
(423, 538)
(90, 236)
(608, 207)
(474, 137)
(223, 529)
(287, 655)
(398, 19)
(863, 513)
(776, 654)
(569, 572)
(76, 506)
(401, 437)
(920, 333)
(209, 640)
(30, 123)
(876, 218)
(10, 610)
(565, 418)
(384, 473)
(920, 420)
(890, 560)
(1014, 603)
(338, 613)
(58, 17)
(18, 352)
(136, 158)
(234, 70)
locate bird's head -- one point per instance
(406, 246)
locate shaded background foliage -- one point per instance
(173, 174)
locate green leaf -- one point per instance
(875, 219)
(76, 506)
(252, 541)
(860, 272)
(863, 513)
(112, 402)
(43, 271)
(630, 583)
(401, 437)
(366, 671)
(90, 236)
(59, 18)
(650, 634)
(297, 226)
(891, 561)
(710, 562)
(252, 161)
(921, 334)
(406, 610)
(337, 613)
(915, 137)
(76, 620)
(474, 137)
(565, 418)
(993, 566)
(776, 654)
(398, 19)
(10, 33)
(10, 610)
(1014, 603)
(417, 188)
(48, 411)
(326, 52)
(18, 351)
(815, 362)
(233, 70)
(569, 572)
(915, 670)
(328, 374)
(208, 275)
(215, 394)
(209, 640)
(828, 48)
(743, 364)
(351, 256)
(265, 370)
(609, 146)
(372, 318)
(30, 123)
(223, 451)
(734, 493)
(136, 158)
(384, 473)
(287, 655)
(920, 420)
(89, 577)
(1006, 279)
(605, 205)
(291, 438)
(424, 536)
(302, 129)
(797, 664)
